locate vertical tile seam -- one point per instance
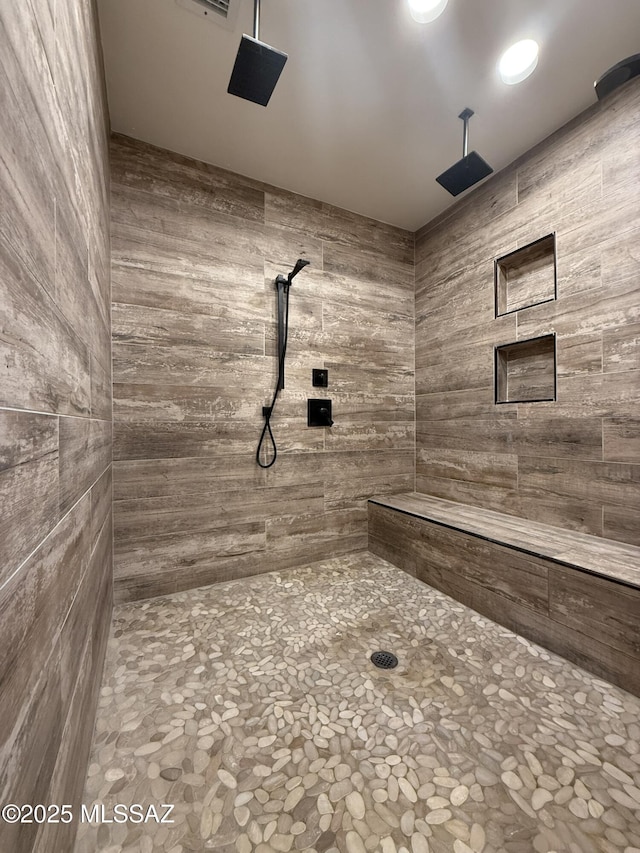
(415, 399)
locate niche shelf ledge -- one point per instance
(525, 371)
(526, 277)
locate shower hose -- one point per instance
(267, 432)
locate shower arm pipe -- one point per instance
(465, 115)
(256, 20)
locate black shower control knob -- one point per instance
(319, 413)
(320, 377)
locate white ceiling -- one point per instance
(365, 113)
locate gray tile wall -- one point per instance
(574, 462)
(55, 406)
(195, 252)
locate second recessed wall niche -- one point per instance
(526, 371)
(526, 277)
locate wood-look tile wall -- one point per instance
(55, 407)
(574, 462)
(195, 252)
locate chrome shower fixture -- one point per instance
(468, 171)
(257, 67)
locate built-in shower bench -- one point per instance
(576, 594)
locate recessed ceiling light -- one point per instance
(518, 61)
(425, 11)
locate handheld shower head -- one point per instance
(300, 265)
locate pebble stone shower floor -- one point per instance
(253, 707)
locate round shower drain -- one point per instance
(384, 660)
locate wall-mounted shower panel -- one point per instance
(195, 344)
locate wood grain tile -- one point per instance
(621, 523)
(450, 405)
(436, 243)
(135, 324)
(334, 225)
(608, 395)
(195, 360)
(621, 440)
(578, 599)
(314, 534)
(101, 504)
(607, 309)
(132, 439)
(490, 469)
(55, 349)
(34, 604)
(189, 365)
(187, 403)
(621, 348)
(183, 181)
(151, 230)
(28, 760)
(28, 485)
(353, 494)
(355, 291)
(579, 184)
(580, 272)
(607, 482)
(370, 266)
(27, 217)
(576, 437)
(67, 778)
(101, 388)
(149, 478)
(182, 555)
(48, 365)
(136, 521)
(228, 291)
(85, 452)
(579, 354)
(467, 560)
(370, 436)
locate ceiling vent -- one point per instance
(221, 12)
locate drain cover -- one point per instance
(384, 660)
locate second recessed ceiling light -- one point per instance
(519, 61)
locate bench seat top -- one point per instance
(594, 554)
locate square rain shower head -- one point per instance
(464, 174)
(256, 71)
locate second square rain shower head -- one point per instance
(257, 67)
(468, 171)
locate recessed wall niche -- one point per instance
(526, 277)
(525, 371)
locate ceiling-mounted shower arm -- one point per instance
(465, 115)
(256, 19)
